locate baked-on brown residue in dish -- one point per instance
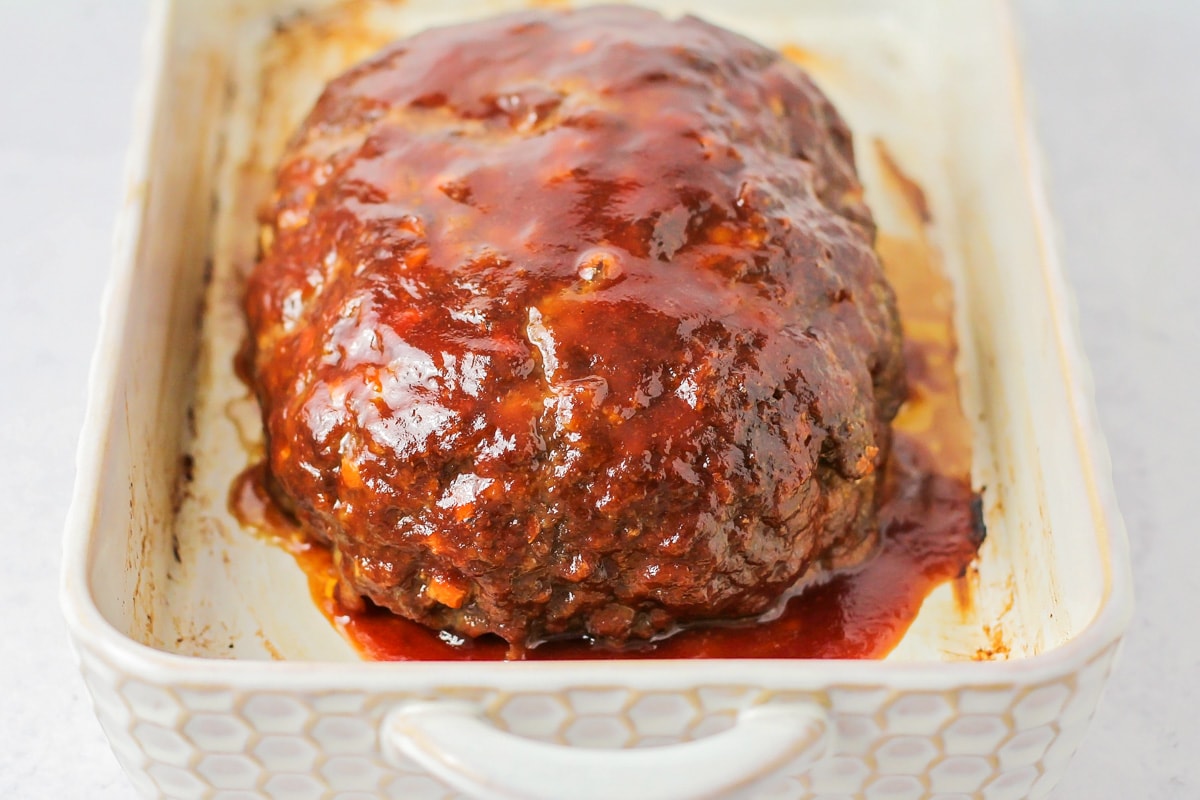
(571, 325)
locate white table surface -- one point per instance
(1116, 91)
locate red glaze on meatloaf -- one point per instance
(570, 324)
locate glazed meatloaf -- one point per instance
(570, 324)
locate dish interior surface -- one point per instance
(927, 88)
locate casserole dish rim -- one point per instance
(93, 632)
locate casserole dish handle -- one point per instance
(454, 742)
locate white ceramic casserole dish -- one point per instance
(213, 674)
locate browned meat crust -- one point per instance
(570, 324)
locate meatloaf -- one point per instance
(570, 324)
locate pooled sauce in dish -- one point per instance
(929, 517)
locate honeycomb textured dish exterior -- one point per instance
(994, 741)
